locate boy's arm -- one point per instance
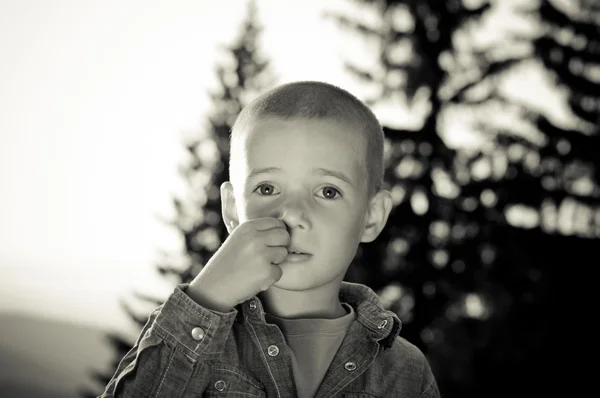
(178, 336)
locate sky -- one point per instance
(95, 99)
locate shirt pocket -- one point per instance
(230, 381)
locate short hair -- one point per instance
(318, 100)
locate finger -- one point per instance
(277, 254)
(274, 276)
(267, 223)
(276, 273)
(276, 237)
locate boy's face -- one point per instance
(310, 174)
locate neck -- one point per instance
(321, 302)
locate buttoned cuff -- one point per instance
(192, 328)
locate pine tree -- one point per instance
(569, 48)
(411, 264)
(473, 291)
(243, 74)
(199, 216)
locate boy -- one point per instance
(270, 315)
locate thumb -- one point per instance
(277, 272)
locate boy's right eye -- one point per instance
(265, 189)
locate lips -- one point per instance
(297, 258)
(296, 251)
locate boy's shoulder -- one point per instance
(411, 367)
(369, 306)
(407, 351)
(407, 361)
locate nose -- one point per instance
(293, 213)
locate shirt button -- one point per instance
(252, 305)
(382, 324)
(273, 350)
(220, 385)
(350, 366)
(197, 333)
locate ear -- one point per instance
(228, 209)
(378, 212)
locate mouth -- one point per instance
(295, 251)
(297, 256)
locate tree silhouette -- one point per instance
(463, 260)
(243, 74)
(199, 216)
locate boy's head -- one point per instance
(310, 154)
(317, 101)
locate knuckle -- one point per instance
(252, 249)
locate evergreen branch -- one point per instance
(148, 298)
(584, 147)
(548, 44)
(459, 95)
(474, 13)
(166, 270)
(590, 115)
(564, 74)
(362, 74)
(138, 319)
(399, 134)
(552, 15)
(351, 24)
(493, 71)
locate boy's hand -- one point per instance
(244, 265)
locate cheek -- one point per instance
(343, 224)
(350, 226)
(353, 230)
(249, 210)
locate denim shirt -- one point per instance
(186, 350)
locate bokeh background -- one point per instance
(114, 117)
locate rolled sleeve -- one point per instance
(177, 336)
(190, 326)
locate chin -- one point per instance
(294, 281)
(302, 282)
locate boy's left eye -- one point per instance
(330, 192)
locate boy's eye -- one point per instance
(265, 189)
(330, 192)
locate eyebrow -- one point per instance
(318, 171)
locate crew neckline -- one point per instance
(305, 326)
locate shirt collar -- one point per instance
(380, 324)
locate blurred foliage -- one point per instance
(474, 253)
(243, 73)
